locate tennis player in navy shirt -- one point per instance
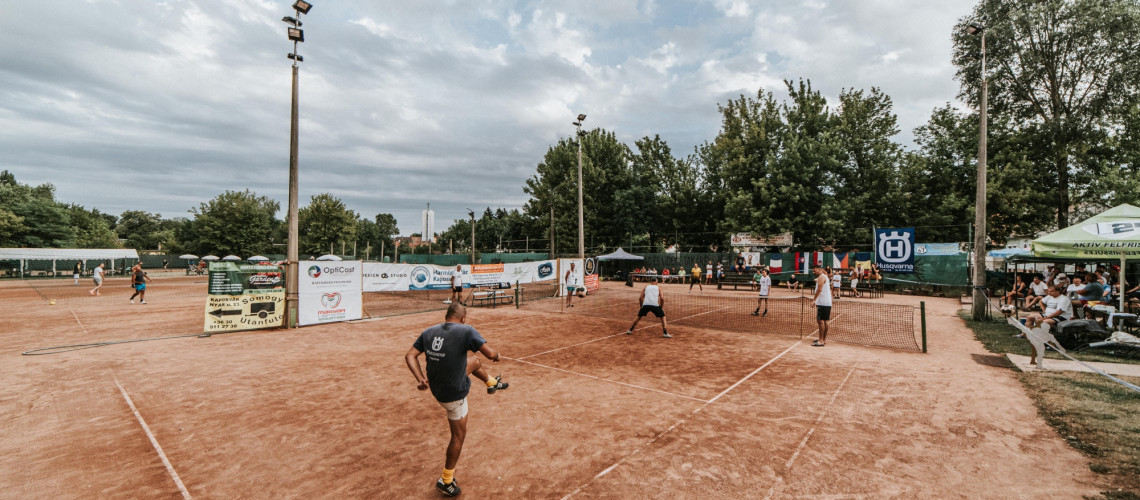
(446, 346)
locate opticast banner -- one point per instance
(380, 277)
(244, 297)
(329, 291)
(894, 250)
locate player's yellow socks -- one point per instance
(447, 476)
(492, 382)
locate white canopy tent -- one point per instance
(66, 254)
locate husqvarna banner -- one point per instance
(894, 250)
(380, 277)
(329, 291)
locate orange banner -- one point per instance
(592, 282)
(486, 268)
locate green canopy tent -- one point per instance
(1110, 235)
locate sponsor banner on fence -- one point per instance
(329, 291)
(937, 249)
(244, 297)
(752, 240)
(592, 282)
(894, 250)
(403, 277)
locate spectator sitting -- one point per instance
(1037, 291)
(1093, 291)
(1057, 308)
(666, 274)
(1016, 292)
(1075, 288)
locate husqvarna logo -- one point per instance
(895, 247)
(437, 343)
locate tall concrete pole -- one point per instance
(980, 299)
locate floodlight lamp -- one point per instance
(576, 124)
(290, 20)
(295, 57)
(974, 29)
(302, 6)
(581, 118)
(296, 35)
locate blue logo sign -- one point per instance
(894, 250)
(421, 278)
(545, 270)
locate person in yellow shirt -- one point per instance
(696, 279)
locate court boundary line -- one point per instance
(679, 423)
(635, 386)
(154, 442)
(76, 316)
(810, 432)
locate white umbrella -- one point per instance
(329, 257)
(188, 256)
(231, 257)
(257, 258)
(210, 257)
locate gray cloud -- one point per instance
(160, 106)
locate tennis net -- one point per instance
(855, 322)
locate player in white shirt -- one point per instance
(855, 283)
(571, 281)
(1037, 291)
(836, 283)
(456, 285)
(822, 304)
(97, 275)
(651, 302)
(765, 284)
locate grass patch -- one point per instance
(1093, 414)
(997, 336)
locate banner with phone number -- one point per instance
(244, 297)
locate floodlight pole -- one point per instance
(980, 296)
(581, 210)
(472, 214)
(291, 257)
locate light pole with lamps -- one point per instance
(980, 295)
(297, 35)
(472, 214)
(581, 212)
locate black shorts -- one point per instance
(656, 310)
(823, 313)
(457, 289)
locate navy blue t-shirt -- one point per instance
(445, 346)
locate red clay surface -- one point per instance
(331, 411)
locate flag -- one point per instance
(802, 260)
(819, 258)
(840, 260)
(776, 264)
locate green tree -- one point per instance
(139, 229)
(91, 228)
(30, 216)
(378, 230)
(1060, 70)
(234, 222)
(325, 221)
(868, 190)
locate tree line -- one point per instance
(1063, 144)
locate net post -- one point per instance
(518, 296)
(922, 312)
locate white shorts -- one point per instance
(456, 410)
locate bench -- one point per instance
(492, 297)
(735, 280)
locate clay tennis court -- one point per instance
(332, 412)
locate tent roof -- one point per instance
(1113, 234)
(620, 254)
(67, 253)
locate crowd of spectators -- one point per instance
(1084, 289)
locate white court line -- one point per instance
(635, 386)
(803, 443)
(77, 320)
(678, 424)
(154, 442)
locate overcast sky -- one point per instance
(162, 105)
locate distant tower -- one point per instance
(428, 219)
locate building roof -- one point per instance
(67, 253)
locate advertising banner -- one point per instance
(752, 240)
(592, 282)
(403, 277)
(244, 297)
(937, 249)
(329, 291)
(894, 250)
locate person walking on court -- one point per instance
(822, 303)
(138, 281)
(571, 281)
(836, 283)
(696, 278)
(77, 271)
(708, 273)
(855, 283)
(456, 285)
(97, 275)
(765, 284)
(448, 376)
(651, 302)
